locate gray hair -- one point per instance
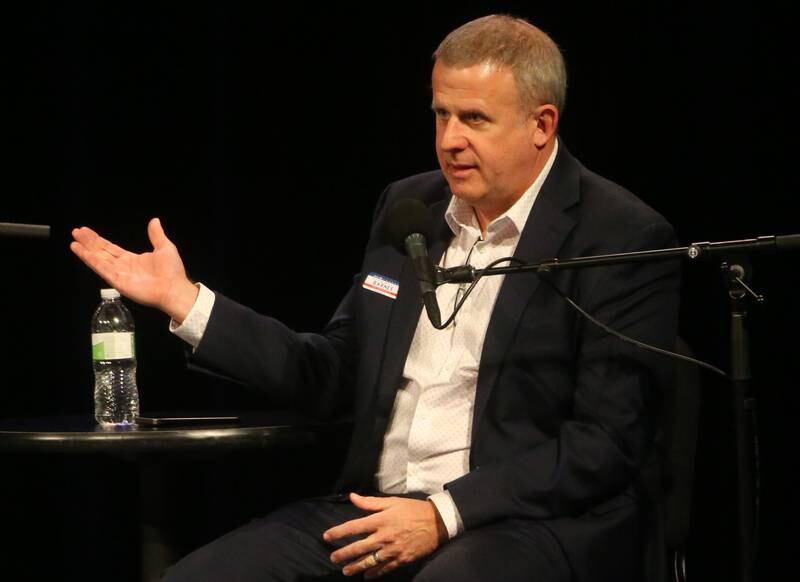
(505, 41)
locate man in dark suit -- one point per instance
(506, 446)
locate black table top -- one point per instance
(81, 434)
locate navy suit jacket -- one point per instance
(564, 413)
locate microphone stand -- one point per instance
(744, 404)
(744, 412)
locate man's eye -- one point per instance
(474, 118)
(441, 114)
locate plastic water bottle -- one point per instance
(116, 397)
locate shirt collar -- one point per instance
(460, 214)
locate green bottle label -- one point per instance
(113, 346)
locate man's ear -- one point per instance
(544, 124)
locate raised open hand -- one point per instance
(157, 278)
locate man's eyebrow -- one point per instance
(472, 111)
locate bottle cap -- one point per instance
(109, 293)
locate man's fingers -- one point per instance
(93, 242)
(370, 503)
(83, 234)
(350, 528)
(86, 238)
(111, 249)
(361, 525)
(357, 549)
(386, 563)
(78, 249)
(369, 564)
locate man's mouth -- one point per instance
(460, 170)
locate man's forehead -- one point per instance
(483, 82)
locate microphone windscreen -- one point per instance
(407, 216)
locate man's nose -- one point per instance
(452, 136)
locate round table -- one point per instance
(81, 434)
(149, 446)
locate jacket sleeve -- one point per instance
(311, 372)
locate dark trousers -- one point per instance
(287, 546)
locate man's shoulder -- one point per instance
(606, 200)
(428, 187)
(607, 217)
(606, 194)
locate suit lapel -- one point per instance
(405, 316)
(545, 231)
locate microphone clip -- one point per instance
(460, 274)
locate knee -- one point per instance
(237, 555)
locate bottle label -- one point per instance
(113, 346)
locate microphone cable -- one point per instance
(585, 314)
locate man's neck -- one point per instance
(486, 215)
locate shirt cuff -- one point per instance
(194, 326)
(449, 513)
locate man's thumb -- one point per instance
(156, 234)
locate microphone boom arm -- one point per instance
(694, 252)
(19, 230)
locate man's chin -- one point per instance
(468, 195)
(464, 189)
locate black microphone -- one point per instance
(407, 224)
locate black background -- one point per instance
(262, 135)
